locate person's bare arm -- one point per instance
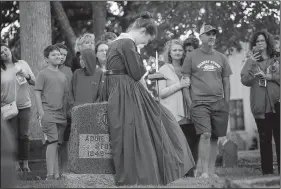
(39, 106)
(226, 87)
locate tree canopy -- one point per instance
(236, 21)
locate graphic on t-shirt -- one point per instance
(208, 65)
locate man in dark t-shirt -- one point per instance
(208, 71)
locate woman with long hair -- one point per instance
(171, 93)
(16, 76)
(148, 145)
(261, 73)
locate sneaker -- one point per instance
(205, 175)
(190, 173)
(214, 175)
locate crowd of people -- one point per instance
(147, 149)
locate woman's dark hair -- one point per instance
(75, 64)
(269, 42)
(14, 59)
(191, 41)
(108, 36)
(146, 21)
(89, 58)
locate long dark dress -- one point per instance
(149, 148)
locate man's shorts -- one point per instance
(54, 131)
(211, 117)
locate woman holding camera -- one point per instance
(261, 73)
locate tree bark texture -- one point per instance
(64, 22)
(99, 17)
(35, 36)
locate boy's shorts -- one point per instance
(53, 131)
(67, 131)
(211, 117)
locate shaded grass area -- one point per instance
(248, 167)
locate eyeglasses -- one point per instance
(103, 50)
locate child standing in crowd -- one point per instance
(87, 81)
(50, 93)
(16, 76)
(63, 149)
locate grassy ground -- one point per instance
(248, 168)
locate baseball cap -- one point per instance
(207, 28)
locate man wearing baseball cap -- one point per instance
(208, 71)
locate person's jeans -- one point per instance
(266, 127)
(20, 129)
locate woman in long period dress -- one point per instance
(148, 145)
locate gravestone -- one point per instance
(227, 154)
(89, 143)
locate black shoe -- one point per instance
(190, 173)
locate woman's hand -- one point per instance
(185, 82)
(254, 56)
(23, 74)
(40, 114)
(260, 75)
(268, 76)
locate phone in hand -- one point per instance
(256, 50)
(262, 82)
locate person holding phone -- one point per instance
(261, 73)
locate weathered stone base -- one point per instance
(263, 182)
(89, 180)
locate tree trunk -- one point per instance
(35, 35)
(99, 17)
(64, 23)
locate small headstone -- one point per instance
(229, 154)
(236, 137)
(89, 143)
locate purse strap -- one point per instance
(16, 89)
